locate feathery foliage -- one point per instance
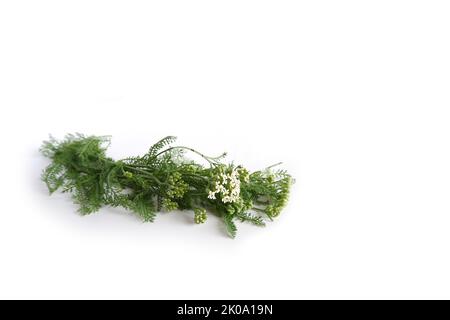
(163, 180)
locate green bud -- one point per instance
(169, 205)
(200, 215)
(128, 174)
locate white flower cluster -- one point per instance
(228, 186)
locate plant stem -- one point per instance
(144, 172)
(209, 159)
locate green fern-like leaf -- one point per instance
(230, 225)
(248, 217)
(143, 207)
(154, 149)
(53, 176)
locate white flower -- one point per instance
(212, 195)
(228, 186)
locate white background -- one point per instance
(353, 96)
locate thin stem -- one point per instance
(146, 173)
(211, 160)
(195, 175)
(274, 165)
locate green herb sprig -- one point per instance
(163, 179)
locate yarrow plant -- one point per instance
(163, 179)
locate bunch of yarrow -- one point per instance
(163, 179)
